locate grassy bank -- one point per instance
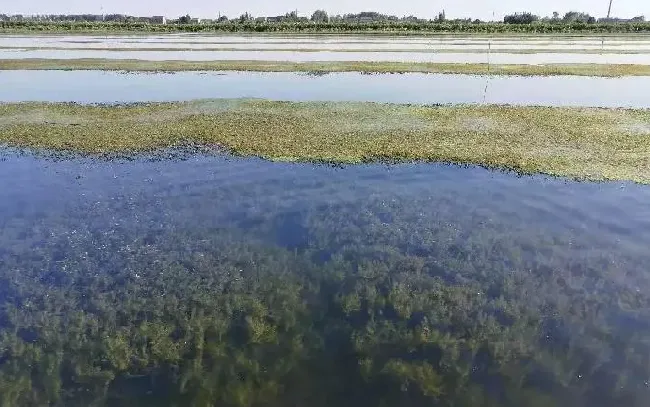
(605, 70)
(595, 144)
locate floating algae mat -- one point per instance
(202, 280)
(584, 143)
(485, 67)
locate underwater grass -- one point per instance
(583, 143)
(605, 70)
(274, 292)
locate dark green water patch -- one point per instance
(210, 281)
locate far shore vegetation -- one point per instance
(321, 21)
(328, 27)
(322, 67)
(582, 143)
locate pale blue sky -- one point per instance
(483, 9)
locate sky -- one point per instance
(483, 9)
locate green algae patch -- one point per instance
(136, 65)
(582, 143)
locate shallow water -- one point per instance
(311, 41)
(109, 87)
(228, 281)
(297, 56)
(477, 47)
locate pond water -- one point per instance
(109, 87)
(297, 56)
(198, 279)
(515, 47)
(637, 43)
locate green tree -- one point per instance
(577, 17)
(245, 17)
(320, 16)
(520, 18)
(291, 16)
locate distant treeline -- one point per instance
(570, 17)
(256, 25)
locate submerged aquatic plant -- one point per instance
(384, 299)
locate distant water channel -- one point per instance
(110, 87)
(335, 56)
(341, 42)
(194, 279)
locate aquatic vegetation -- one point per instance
(594, 144)
(605, 70)
(267, 294)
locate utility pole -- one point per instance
(609, 10)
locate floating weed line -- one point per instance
(136, 65)
(581, 143)
(464, 50)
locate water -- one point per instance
(206, 280)
(335, 56)
(109, 87)
(309, 48)
(334, 46)
(630, 43)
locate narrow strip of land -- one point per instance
(429, 50)
(135, 65)
(594, 144)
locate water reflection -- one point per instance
(340, 56)
(109, 87)
(637, 43)
(212, 280)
